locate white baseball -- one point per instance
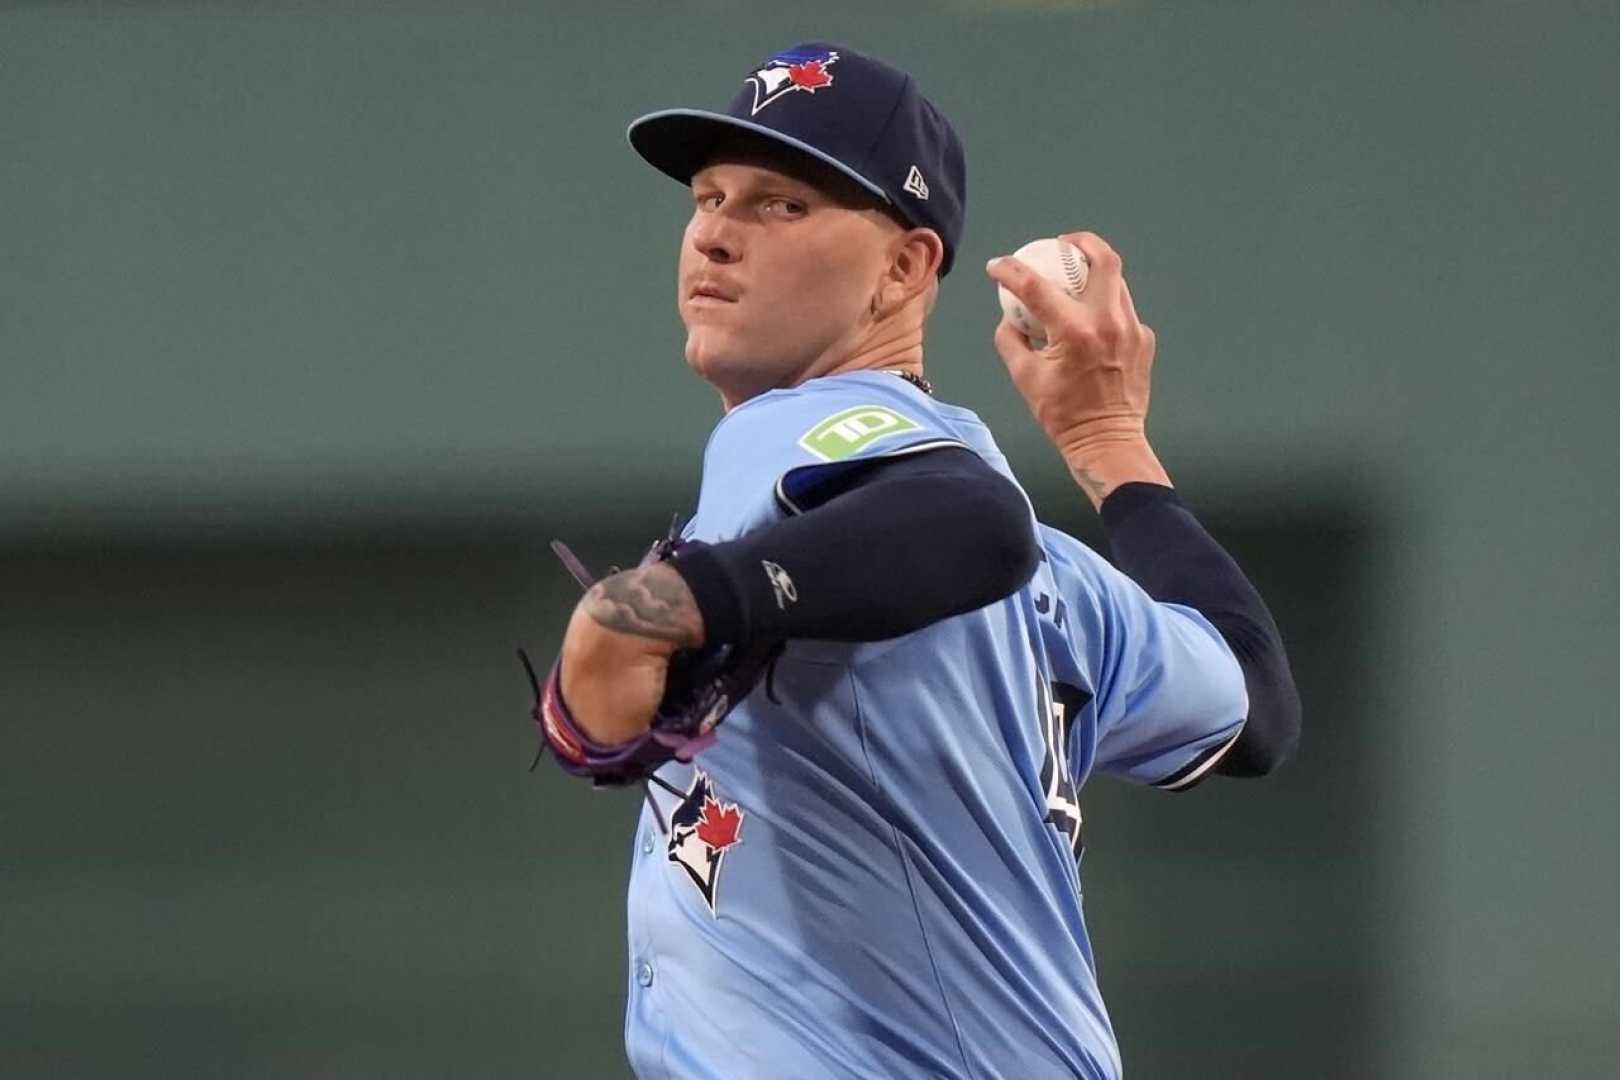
(1056, 260)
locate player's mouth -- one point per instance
(711, 292)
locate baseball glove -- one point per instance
(703, 685)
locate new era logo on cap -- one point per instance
(915, 183)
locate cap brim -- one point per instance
(679, 142)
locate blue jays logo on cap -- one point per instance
(789, 71)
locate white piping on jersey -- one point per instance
(1209, 763)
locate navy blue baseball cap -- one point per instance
(864, 118)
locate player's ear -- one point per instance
(915, 257)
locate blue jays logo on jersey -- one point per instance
(786, 72)
(701, 830)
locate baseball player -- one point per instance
(871, 867)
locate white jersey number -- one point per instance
(1057, 712)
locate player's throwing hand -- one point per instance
(1088, 389)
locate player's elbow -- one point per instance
(1009, 551)
(982, 540)
(1286, 743)
(1260, 754)
(1270, 736)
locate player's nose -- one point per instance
(714, 238)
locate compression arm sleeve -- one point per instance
(1158, 543)
(906, 542)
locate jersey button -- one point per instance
(644, 974)
(647, 843)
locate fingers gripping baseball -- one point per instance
(1090, 385)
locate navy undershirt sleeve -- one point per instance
(1158, 543)
(892, 548)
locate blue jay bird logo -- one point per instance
(701, 830)
(786, 72)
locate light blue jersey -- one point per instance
(875, 874)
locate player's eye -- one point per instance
(781, 206)
(710, 201)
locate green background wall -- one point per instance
(316, 323)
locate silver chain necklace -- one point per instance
(915, 380)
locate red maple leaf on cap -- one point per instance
(718, 825)
(810, 75)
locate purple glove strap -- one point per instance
(624, 762)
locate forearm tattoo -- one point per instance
(653, 602)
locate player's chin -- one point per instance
(713, 352)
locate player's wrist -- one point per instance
(1102, 462)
